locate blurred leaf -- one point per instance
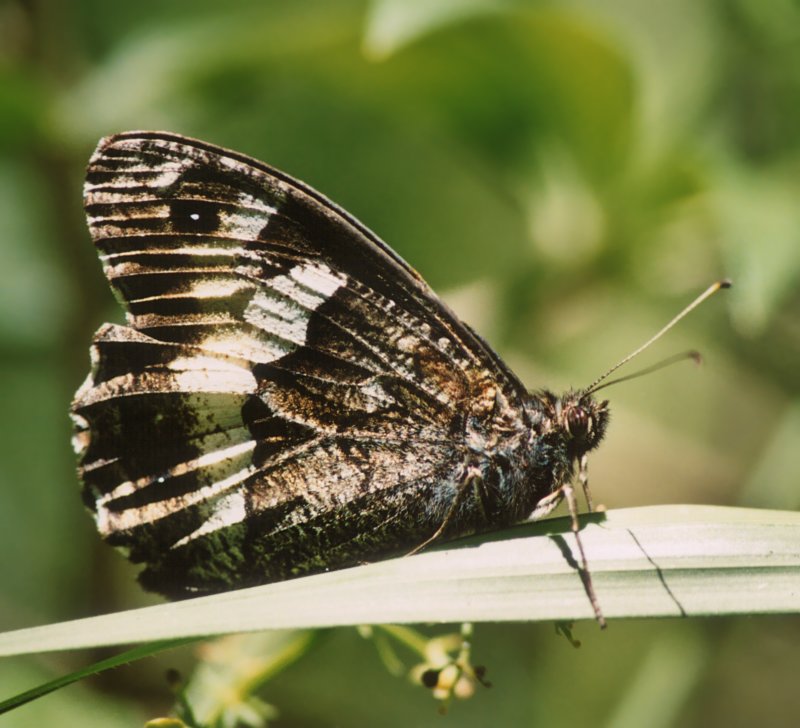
(676, 662)
(391, 24)
(150, 77)
(23, 103)
(40, 510)
(507, 83)
(35, 297)
(773, 483)
(760, 228)
(221, 690)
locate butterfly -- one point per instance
(288, 395)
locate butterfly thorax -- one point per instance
(520, 455)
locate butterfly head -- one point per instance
(579, 420)
(584, 420)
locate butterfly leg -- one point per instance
(470, 485)
(547, 504)
(586, 576)
(583, 478)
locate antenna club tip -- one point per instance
(725, 283)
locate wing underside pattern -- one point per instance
(280, 365)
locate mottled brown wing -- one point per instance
(287, 393)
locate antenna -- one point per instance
(695, 356)
(710, 291)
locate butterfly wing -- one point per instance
(288, 394)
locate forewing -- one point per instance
(280, 363)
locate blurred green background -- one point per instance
(567, 175)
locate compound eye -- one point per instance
(578, 422)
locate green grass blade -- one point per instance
(137, 653)
(646, 562)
